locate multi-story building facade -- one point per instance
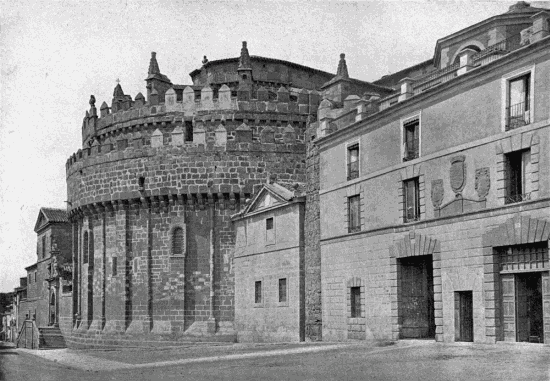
(435, 201)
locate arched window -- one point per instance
(85, 248)
(177, 241)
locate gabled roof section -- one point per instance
(47, 216)
(270, 195)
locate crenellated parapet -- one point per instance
(284, 106)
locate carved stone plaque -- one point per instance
(437, 192)
(457, 173)
(483, 182)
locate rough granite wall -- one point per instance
(312, 243)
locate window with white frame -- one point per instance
(518, 170)
(353, 161)
(411, 200)
(517, 98)
(519, 104)
(411, 139)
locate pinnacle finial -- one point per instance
(92, 101)
(153, 64)
(342, 67)
(204, 60)
(118, 90)
(244, 60)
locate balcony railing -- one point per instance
(517, 116)
(512, 199)
(353, 170)
(354, 229)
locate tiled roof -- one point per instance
(55, 215)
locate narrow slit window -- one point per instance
(115, 267)
(188, 131)
(282, 290)
(177, 241)
(355, 300)
(258, 292)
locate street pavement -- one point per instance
(406, 360)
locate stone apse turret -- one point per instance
(151, 191)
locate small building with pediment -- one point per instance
(269, 266)
(47, 300)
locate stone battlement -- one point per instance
(283, 106)
(149, 135)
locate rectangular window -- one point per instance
(282, 290)
(518, 168)
(354, 214)
(411, 200)
(518, 111)
(115, 269)
(35, 277)
(411, 140)
(44, 247)
(258, 292)
(269, 231)
(353, 162)
(355, 302)
(188, 131)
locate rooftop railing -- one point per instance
(450, 72)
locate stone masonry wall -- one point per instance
(313, 319)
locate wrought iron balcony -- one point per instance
(512, 199)
(517, 116)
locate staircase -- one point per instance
(51, 337)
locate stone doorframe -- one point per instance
(515, 231)
(412, 245)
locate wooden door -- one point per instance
(465, 316)
(522, 309)
(508, 307)
(416, 306)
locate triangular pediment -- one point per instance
(265, 199)
(41, 221)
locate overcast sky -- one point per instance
(55, 54)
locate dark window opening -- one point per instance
(85, 248)
(353, 162)
(518, 111)
(245, 76)
(177, 241)
(258, 292)
(282, 290)
(67, 288)
(269, 230)
(115, 267)
(411, 196)
(355, 300)
(411, 134)
(44, 247)
(188, 131)
(354, 214)
(141, 183)
(517, 167)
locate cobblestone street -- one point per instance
(410, 360)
